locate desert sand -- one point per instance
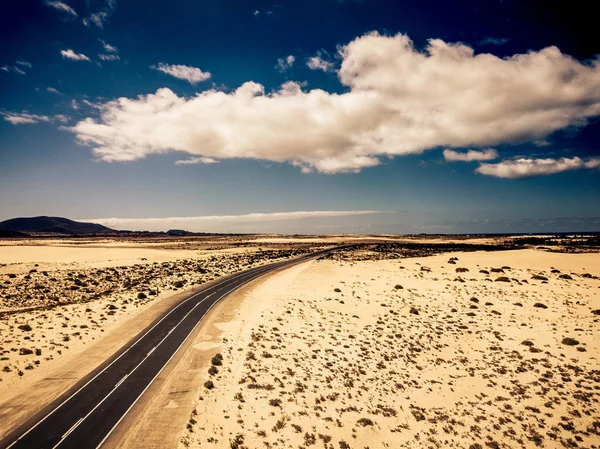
(465, 350)
(372, 348)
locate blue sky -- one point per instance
(301, 116)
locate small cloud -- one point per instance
(527, 167)
(62, 118)
(24, 64)
(197, 160)
(284, 64)
(101, 17)
(97, 19)
(494, 41)
(92, 105)
(52, 90)
(70, 54)
(13, 69)
(63, 7)
(256, 13)
(105, 57)
(193, 75)
(317, 62)
(470, 156)
(274, 10)
(74, 105)
(108, 48)
(23, 118)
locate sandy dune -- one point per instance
(466, 350)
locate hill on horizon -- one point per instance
(58, 225)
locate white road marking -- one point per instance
(123, 380)
(71, 429)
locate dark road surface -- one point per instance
(86, 415)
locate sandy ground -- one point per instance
(494, 350)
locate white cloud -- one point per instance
(256, 12)
(104, 57)
(471, 155)
(70, 54)
(284, 64)
(63, 7)
(100, 18)
(319, 63)
(52, 90)
(13, 69)
(108, 48)
(16, 68)
(526, 167)
(397, 101)
(193, 75)
(197, 160)
(74, 105)
(23, 118)
(215, 222)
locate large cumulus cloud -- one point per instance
(399, 100)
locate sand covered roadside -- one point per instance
(461, 350)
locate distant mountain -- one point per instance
(56, 225)
(12, 234)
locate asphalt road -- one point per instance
(85, 416)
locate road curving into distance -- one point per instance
(86, 415)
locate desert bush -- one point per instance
(539, 277)
(141, 295)
(569, 341)
(398, 287)
(237, 442)
(25, 327)
(365, 422)
(502, 279)
(217, 360)
(209, 385)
